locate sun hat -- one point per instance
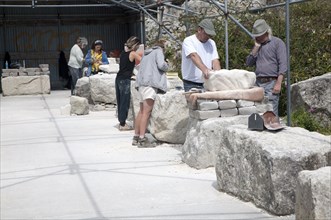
(208, 26)
(260, 27)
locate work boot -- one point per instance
(144, 143)
(135, 140)
(125, 127)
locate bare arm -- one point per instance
(134, 56)
(198, 63)
(216, 64)
(278, 84)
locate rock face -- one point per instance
(224, 79)
(313, 194)
(83, 88)
(26, 85)
(79, 105)
(314, 96)
(263, 167)
(203, 140)
(103, 88)
(169, 118)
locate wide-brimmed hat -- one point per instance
(208, 26)
(260, 27)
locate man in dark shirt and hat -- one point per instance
(270, 58)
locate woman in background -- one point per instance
(76, 61)
(95, 57)
(123, 80)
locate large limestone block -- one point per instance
(79, 105)
(224, 79)
(83, 88)
(169, 118)
(203, 138)
(263, 167)
(103, 88)
(313, 194)
(314, 96)
(25, 85)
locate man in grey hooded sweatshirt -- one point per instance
(150, 79)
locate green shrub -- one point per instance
(302, 118)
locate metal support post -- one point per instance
(226, 36)
(288, 78)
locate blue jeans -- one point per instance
(273, 98)
(75, 75)
(189, 85)
(123, 96)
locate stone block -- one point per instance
(244, 103)
(234, 79)
(247, 110)
(262, 166)
(32, 70)
(79, 105)
(25, 85)
(203, 115)
(227, 104)
(5, 74)
(264, 108)
(169, 118)
(103, 88)
(229, 112)
(44, 66)
(21, 73)
(65, 110)
(207, 105)
(263, 102)
(31, 73)
(203, 140)
(313, 194)
(13, 73)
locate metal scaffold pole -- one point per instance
(288, 78)
(226, 36)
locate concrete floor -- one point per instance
(55, 166)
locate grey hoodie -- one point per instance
(152, 69)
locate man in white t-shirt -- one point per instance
(199, 56)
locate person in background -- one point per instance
(64, 70)
(199, 56)
(150, 80)
(95, 57)
(123, 80)
(270, 58)
(76, 60)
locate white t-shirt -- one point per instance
(76, 57)
(207, 52)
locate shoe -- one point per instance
(135, 140)
(144, 143)
(126, 127)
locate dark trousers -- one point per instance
(123, 96)
(75, 75)
(189, 85)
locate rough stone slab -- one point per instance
(313, 95)
(83, 89)
(7, 70)
(229, 112)
(247, 110)
(79, 105)
(169, 118)
(244, 103)
(25, 85)
(5, 74)
(31, 73)
(203, 115)
(313, 194)
(103, 88)
(263, 167)
(227, 104)
(65, 110)
(234, 79)
(203, 139)
(207, 105)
